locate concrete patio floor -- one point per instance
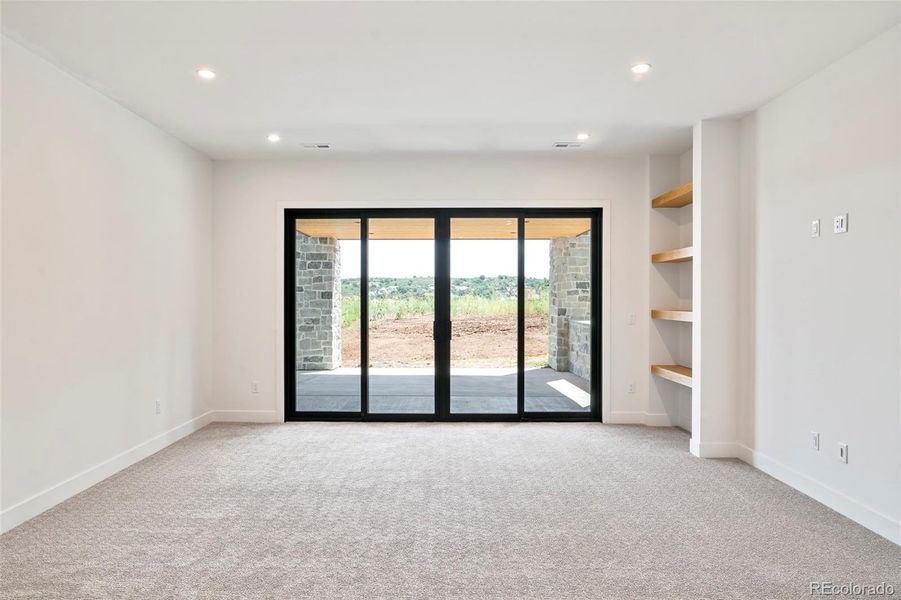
(411, 391)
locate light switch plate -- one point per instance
(843, 452)
(814, 440)
(840, 223)
(815, 228)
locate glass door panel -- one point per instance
(483, 307)
(452, 313)
(401, 274)
(558, 315)
(327, 315)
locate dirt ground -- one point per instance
(476, 342)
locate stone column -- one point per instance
(318, 303)
(569, 294)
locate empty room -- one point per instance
(489, 300)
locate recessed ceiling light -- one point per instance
(206, 73)
(274, 137)
(582, 136)
(641, 68)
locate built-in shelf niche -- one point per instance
(675, 373)
(678, 255)
(675, 198)
(684, 316)
(670, 297)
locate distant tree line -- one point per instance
(502, 286)
(403, 297)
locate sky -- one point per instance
(469, 258)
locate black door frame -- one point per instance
(442, 218)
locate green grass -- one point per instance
(461, 306)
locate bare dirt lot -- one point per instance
(475, 342)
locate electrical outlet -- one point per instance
(843, 452)
(815, 440)
(159, 406)
(840, 223)
(815, 228)
(254, 387)
(631, 319)
(631, 388)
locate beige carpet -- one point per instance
(351, 510)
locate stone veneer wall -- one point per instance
(318, 306)
(580, 349)
(569, 294)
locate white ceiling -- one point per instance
(441, 77)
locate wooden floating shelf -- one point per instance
(672, 315)
(675, 373)
(673, 256)
(675, 198)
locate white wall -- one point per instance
(823, 345)
(106, 286)
(686, 332)
(247, 248)
(715, 276)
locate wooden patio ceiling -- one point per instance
(461, 228)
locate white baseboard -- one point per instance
(715, 449)
(245, 416)
(822, 493)
(657, 420)
(624, 418)
(638, 418)
(42, 501)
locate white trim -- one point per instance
(245, 416)
(860, 513)
(717, 450)
(638, 418)
(693, 446)
(606, 275)
(657, 420)
(42, 501)
(624, 418)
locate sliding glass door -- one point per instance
(326, 311)
(442, 314)
(401, 277)
(558, 333)
(483, 304)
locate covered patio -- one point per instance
(411, 390)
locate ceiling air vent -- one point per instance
(567, 145)
(317, 146)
